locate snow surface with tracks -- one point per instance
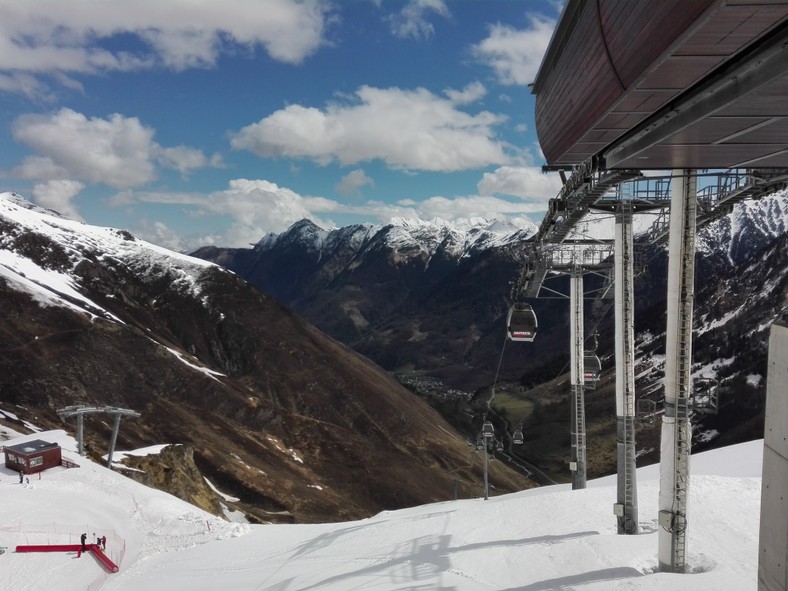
(537, 540)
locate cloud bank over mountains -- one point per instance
(49, 51)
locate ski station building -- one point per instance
(32, 456)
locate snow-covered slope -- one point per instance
(544, 539)
(51, 278)
(751, 226)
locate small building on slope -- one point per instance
(32, 456)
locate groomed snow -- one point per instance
(538, 540)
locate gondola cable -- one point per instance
(497, 372)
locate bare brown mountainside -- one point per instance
(293, 423)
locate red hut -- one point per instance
(32, 456)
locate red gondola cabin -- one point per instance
(32, 456)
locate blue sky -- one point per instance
(195, 122)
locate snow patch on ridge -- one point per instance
(80, 241)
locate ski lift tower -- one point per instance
(79, 410)
(626, 507)
(637, 195)
(485, 437)
(118, 412)
(620, 193)
(676, 431)
(573, 257)
(577, 459)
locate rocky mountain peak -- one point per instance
(752, 224)
(422, 238)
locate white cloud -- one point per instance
(114, 151)
(66, 35)
(266, 205)
(118, 151)
(526, 182)
(415, 130)
(258, 207)
(412, 21)
(515, 55)
(185, 159)
(470, 207)
(159, 233)
(352, 183)
(184, 49)
(21, 83)
(37, 168)
(58, 195)
(470, 94)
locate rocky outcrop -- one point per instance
(173, 470)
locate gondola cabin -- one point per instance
(592, 369)
(517, 437)
(521, 323)
(487, 429)
(32, 456)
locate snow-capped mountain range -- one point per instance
(427, 264)
(267, 406)
(751, 225)
(458, 238)
(431, 299)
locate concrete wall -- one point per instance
(773, 550)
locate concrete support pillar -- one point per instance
(773, 545)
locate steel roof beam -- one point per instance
(761, 65)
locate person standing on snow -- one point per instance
(82, 539)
